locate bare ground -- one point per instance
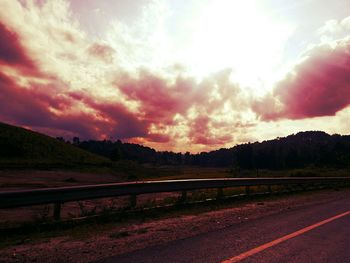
(101, 241)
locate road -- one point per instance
(318, 233)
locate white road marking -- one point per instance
(282, 239)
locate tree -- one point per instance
(76, 140)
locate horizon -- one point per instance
(229, 147)
(71, 141)
(187, 76)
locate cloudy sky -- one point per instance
(184, 75)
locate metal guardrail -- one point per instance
(11, 199)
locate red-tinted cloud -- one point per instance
(31, 107)
(12, 52)
(163, 109)
(200, 133)
(46, 107)
(123, 124)
(103, 52)
(320, 86)
(161, 138)
(159, 100)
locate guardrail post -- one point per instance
(302, 187)
(269, 190)
(335, 187)
(133, 200)
(247, 190)
(183, 198)
(220, 193)
(287, 187)
(57, 211)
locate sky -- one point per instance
(185, 75)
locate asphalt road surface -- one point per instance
(318, 233)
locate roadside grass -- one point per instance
(188, 172)
(132, 171)
(302, 172)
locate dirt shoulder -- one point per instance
(97, 241)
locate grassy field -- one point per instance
(188, 172)
(305, 172)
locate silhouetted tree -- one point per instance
(313, 148)
(76, 140)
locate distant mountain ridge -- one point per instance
(309, 148)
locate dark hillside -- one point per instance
(312, 148)
(22, 148)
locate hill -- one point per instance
(304, 149)
(22, 148)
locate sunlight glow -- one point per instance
(236, 34)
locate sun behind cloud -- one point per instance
(238, 35)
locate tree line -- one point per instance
(312, 148)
